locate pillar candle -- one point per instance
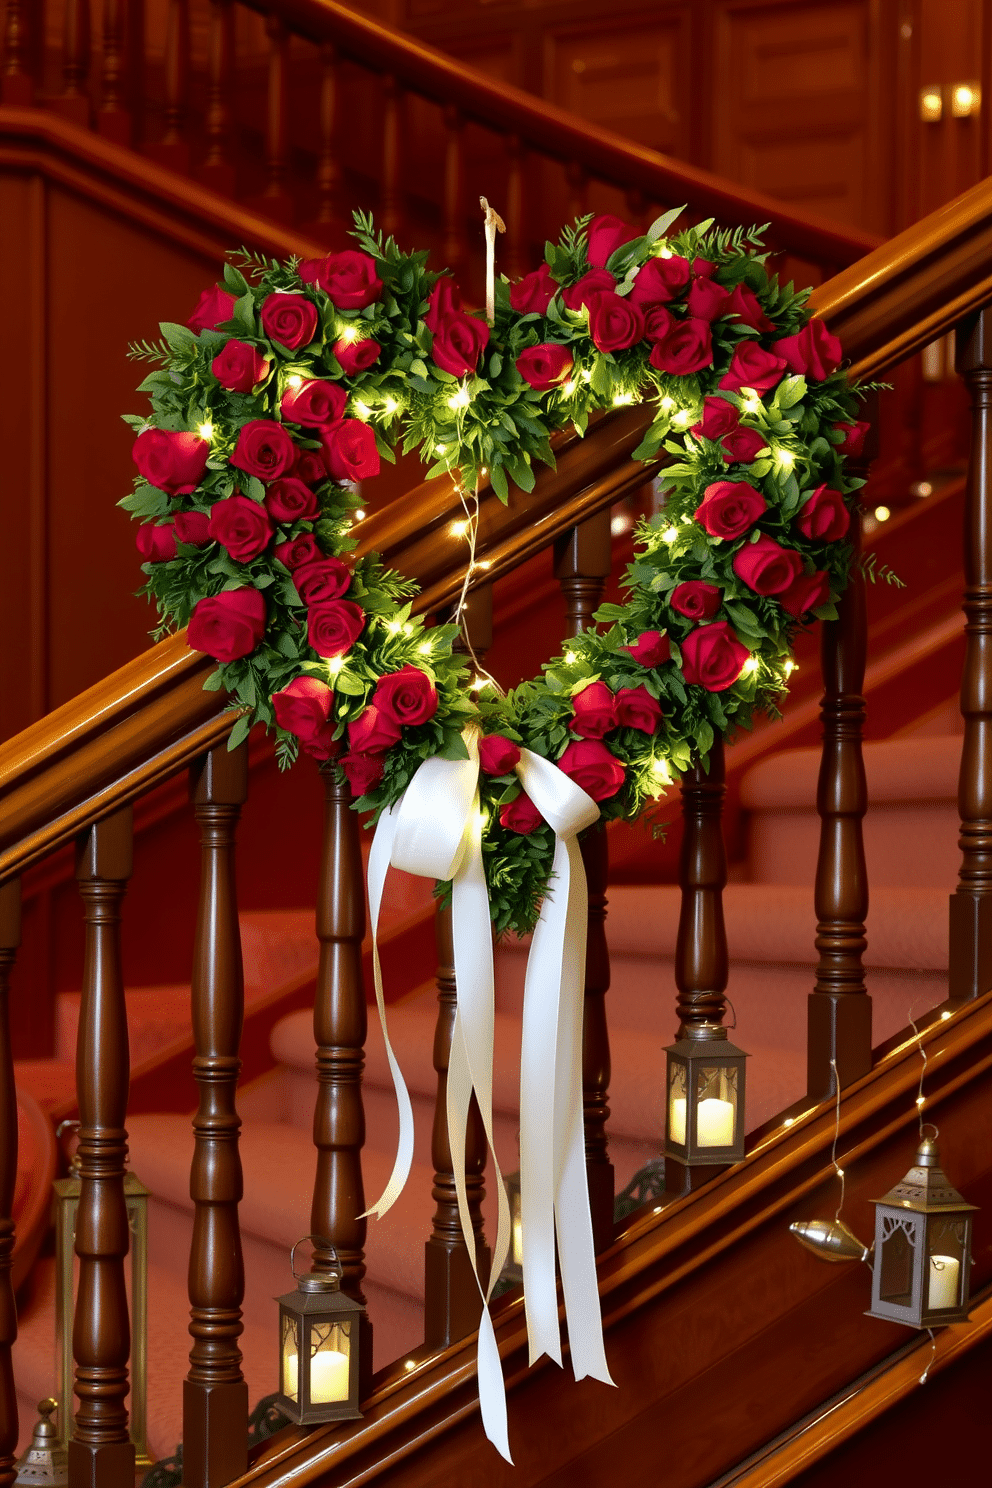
(328, 1377)
(676, 1123)
(943, 1291)
(715, 1123)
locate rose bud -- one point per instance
(300, 550)
(637, 709)
(333, 626)
(744, 445)
(813, 352)
(703, 268)
(228, 625)
(241, 526)
(310, 467)
(729, 509)
(594, 711)
(651, 649)
(688, 347)
(172, 462)
(303, 707)
(497, 755)
(407, 696)
(348, 278)
(459, 341)
(593, 768)
(696, 599)
(595, 282)
(290, 319)
(372, 732)
(604, 235)
(364, 772)
(544, 366)
(658, 323)
(323, 745)
(155, 544)
(712, 656)
(534, 293)
(719, 418)
(824, 517)
(521, 815)
(444, 299)
(314, 403)
(350, 452)
(327, 578)
(289, 500)
(355, 356)
(264, 449)
(239, 367)
(752, 367)
(809, 592)
(192, 528)
(707, 300)
(659, 281)
(213, 308)
(744, 303)
(766, 567)
(853, 442)
(614, 323)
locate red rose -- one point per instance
(289, 500)
(242, 526)
(604, 236)
(407, 696)
(310, 467)
(637, 709)
(766, 567)
(497, 755)
(729, 508)
(534, 293)
(303, 707)
(192, 528)
(707, 300)
(289, 319)
(544, 366)
(719, 418)
(752, 367)
(229, 625)
(264, 449)
(696, 599)
(809, 592)
(521, 815)
(372, 731)
(350, 451)
(703, 268)
(813, 351)
(594, 711)
(313, 403)
(651, 649)
(660, 280)
(155, 544)
(299, 550)
(688, 347)
(459, 341)
(853, 442)
(444, 299)
(364, 772)
(593, 768)
(172, 462)
(333, 626)
(593, 283)
(744, 444)
(355, 356)
(658, 323)
(323, 745)
(712, 657)
(239, 367)
(614, 323)
(213, 308)
(824, 517)
(348, 278)
(744, 303)
(327, 578)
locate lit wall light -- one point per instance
(966, 100)
(931, 105)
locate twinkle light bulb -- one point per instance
(439, 449)
(670, 534)
(750, 666)
(459, 529)
(944, 1017)
(461, 399)
(348, 332)
(570, 658)
(666, 403)
(586, 374)
(295, 381)
(359, 515)
(789, 667)
(752, 404)
(568, 388)
(390, 405)
(334, 665)
(882, 514)
(424, 649)
(361, 409)
(786, 459)
(620, 398)
(206, 430)
(682, 419)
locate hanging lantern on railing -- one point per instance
(318, 1349)
(67, 1191)
(922, 1248)
(45, 1464)
(704, 1110)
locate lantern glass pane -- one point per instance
(676, 1101)
(330, 1361)
(716, 1105)
(290, 1358)
(516, 1230)
(897, 1259)
(946, 1252)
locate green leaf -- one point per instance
(660, 225)
(240, 731)
(790, 391)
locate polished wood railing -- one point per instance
(74, 775)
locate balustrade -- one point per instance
(74, 102)
(10, 939)
(218, 166)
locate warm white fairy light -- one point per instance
(461, 399)
(789, 667)
(348, 332)
(882, 514)
(294, 381)
(439, 449)
(786, 458)
(359, 515)
(620, 398)
(390, 405)
(206, 430)
(568, 388)
(752, 404)
(944, 1017)
(334, 665)
(666, 403)
(570, 658)
(586, 374)
(670, 535)
(750, 666)
(658, 777)
(363, 410)
(683, 418)
(664, 253)
(459, 529)
(425, 648)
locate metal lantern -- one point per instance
(67, 1192)
(704, 1109)
(513, 1269)
(318, 1350)
(922, 1248)
(46, 1461)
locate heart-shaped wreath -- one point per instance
(280, 393)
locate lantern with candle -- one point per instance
(318, 1349)
(922, 1247)
(704, 1121)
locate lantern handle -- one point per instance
(933, 1128)
(297, 1275)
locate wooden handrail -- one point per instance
(555, 132)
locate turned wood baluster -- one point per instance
(701, 960)
(389, 201)
(328, 171)
(101, 1454)
(839, 1016)
(17, 84)
(971, 903)
(75, 100)
(582, 565)
(175, 150)
(514, 214)
(340, 1026)
(454, 189)
(452, 1304)
(218, 167)
(215, 1396)
(113, 116)
(10, 939)
(276, 138)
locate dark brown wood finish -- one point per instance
(701, 958)
(582, 565)
(113, 114)
(328, 171)
(74, 103)
(452, 1302)
(277, 200)
(971, 905)
(174, 149)
(100, 1453)
(218, 167)
(16, 83)
(340, 1026)
(454, 189)
(10, 939)
(389, 177)
(215, 1396)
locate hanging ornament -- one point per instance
(830, 1239)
